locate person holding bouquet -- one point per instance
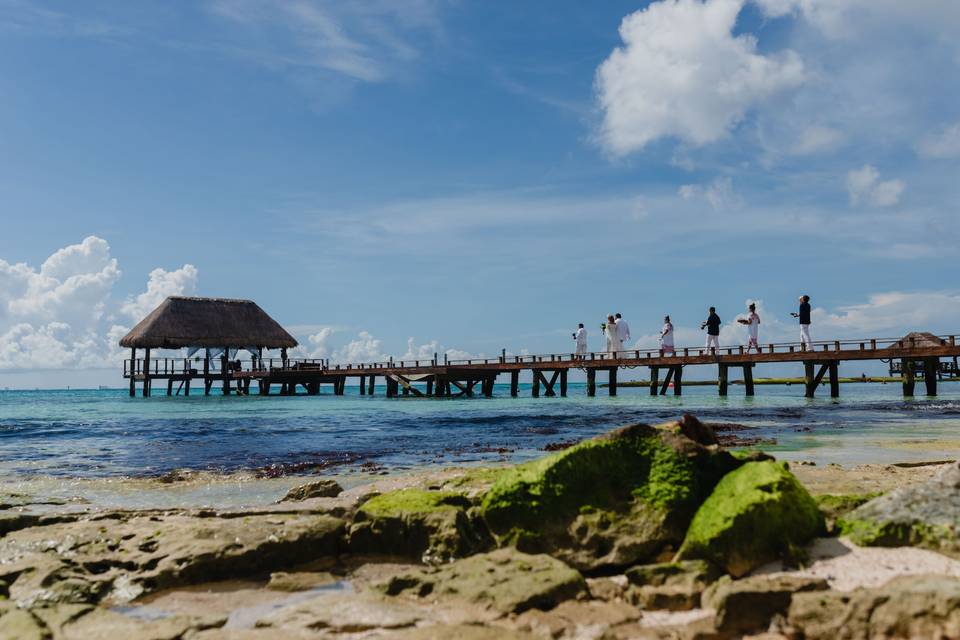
(753, 328)
(612, 333)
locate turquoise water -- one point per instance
(105, 434)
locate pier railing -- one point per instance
(169, 366)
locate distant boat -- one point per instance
(102, 388)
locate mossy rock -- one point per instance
(756, 514)
(431, 526)
(504, 580)
(836, 506)
(614, 500)
(920, 515)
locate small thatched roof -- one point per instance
(921, 340)
(207, 322)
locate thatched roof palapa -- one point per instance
(920, 340)
(207, 322)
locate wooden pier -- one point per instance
(476, 377)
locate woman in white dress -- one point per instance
(666, 338)
(614, 345)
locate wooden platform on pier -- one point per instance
(452, 378)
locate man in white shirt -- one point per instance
(581, 338)
(623, 330)
(666, 338)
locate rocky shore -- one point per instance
(644, 532)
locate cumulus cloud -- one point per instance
(682, 73)
(942, 144)
(865, 187)
(58, 316)
(160, 285)
(365, 348)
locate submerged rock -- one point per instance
(432, 526)
(324, 488)
(504, 580)
(615, 500)
(921, 515)
(924, 606)
(756, 514)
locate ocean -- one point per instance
(87, 434)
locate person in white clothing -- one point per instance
(666, 337)
(753, 328)
(581, 339)
(614, 345)
(623, 330)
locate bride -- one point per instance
(614, 345)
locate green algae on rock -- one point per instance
(614, 500)
(432, 526)
(755, 514)
(923, 515)
(504, 580)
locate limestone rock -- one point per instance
(922, 515)
(323, 488)
(126, 555)
(576, 619)
(671, 585)
(836, 506)
(459, 632)
(755, 514)
(20, 624)
(615, 500)
(505, 580)
(299, 581)
(925, 606)
(343, 613)
(750, 604)
(432, 526)
(104, 624)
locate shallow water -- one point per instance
(105, 434)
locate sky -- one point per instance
(403, 178)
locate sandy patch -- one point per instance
(845, 566)
(862, 478)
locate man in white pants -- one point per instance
(804, 316)
(712, 325)
(581, 337)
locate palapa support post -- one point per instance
(678, 381)
(654, 380)
(186, 387)
(930, 367)
(363, 386)
(909, 379)
(748, 379)
(722, 370)
(169, 386)
(612, 379)
(225, 370)
(591, 382)
(535, 389)
(834, 379)
(206, 372)
(514, 383)
(146, 373)
(488, 387)
(264, 386)
(133, 372)
(563, 383)
(371, 383)
(430, 387)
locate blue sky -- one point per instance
(474, 176)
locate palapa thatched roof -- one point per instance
(921, 340)
(207, 322)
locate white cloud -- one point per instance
(942, 144)
(817, 139)
(363, 41)
(682, 73)
(894, 313)
(426, 351)
(58, 316)
(865, 187)
(160, 286)
(365, 348)
(719, 193)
